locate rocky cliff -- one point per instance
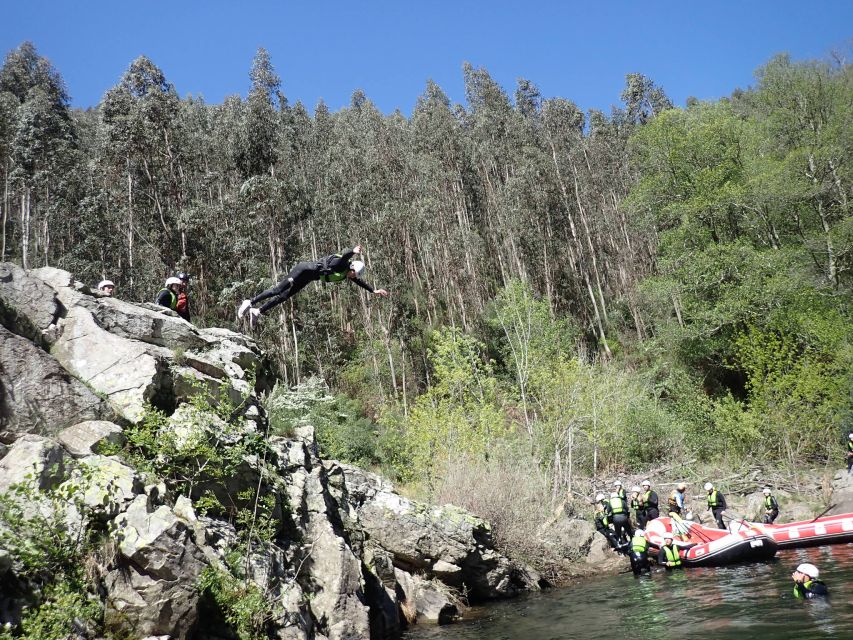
(142, 443)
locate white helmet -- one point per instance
(646, 483)
(809, 569)
(636, 488)
(600, 497)
(708, 486)
(667, 535)
(614, 495)
(639, 532)
(172, 280)
(766, 491)
(850, 435)
(618, 483)
(106, 283)
(357, 266)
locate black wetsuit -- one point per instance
(717, 504)
(602, 525)
(649, 503)
(329, 269)
(810, 589)
(617, 511)
(771, 509)
(669, 554)
(849, 455)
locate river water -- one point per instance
(743, 602)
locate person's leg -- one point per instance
(652, 514)
(642, 519)
(718, 516)
(302, 274)
(277, 290)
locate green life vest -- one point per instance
(800, 590)
(671, 554)
(173, 298)
(635, 504)
(617, 505)
(850, 446)
(712, 499)
(334, 277)
(768, 503)
(639, 544)
(644, 499)
(620, 492)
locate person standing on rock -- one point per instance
(716, 504)
(602, 520)
(771, 507)
(649, 502)
(677, 500)
(849, 452)
(168, 295)
(806, 584)
(620, 491)
(637, 506)
(333, 268)
(182, 307)
(617, 511)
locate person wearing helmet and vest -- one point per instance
(637, 507)
(617, 511)
(849, 452)
(639, 555)
(771, 507)
(716, 504)
(806, 584)
(677, 499)
(106, 287)
(602, 520)
(668, 556)
(183, 305)
(649, 502)
(334, 268)
(168, 296)
(620, 491)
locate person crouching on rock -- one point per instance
(334, 268)
(602, 521)
(617, 511)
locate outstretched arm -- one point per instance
(361, 283)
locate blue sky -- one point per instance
(576, 50)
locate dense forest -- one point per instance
(572, 293)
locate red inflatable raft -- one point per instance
(708, 547)
(807, 533)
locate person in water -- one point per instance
(333, 268)
(806, 584)
(639, 555)
(716, 504)
(649, 502)
(771, 507)
(668, 556)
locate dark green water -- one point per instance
(746, 602)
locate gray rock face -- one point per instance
(109, 485)
(153, 591)
(28, 307)
(842, 493)
(146, 325)
(84, 438)
(32, 456)
(425, 601)
(37, 395)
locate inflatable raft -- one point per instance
(806, 533)
(709, 547)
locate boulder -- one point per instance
(842, 493)
(425, 601)
(136, 322)
(37, 395)
(85, 438)
(153, 590)
(108, 485)
(28, 307)
(33, 457)
(128, 372)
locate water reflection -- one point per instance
(742, 602)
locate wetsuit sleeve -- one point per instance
(361, 283)
(164, 299)
(723, 501)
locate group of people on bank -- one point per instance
(332, 268)
(613, 519)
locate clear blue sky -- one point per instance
(328, 49)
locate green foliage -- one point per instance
(244, 605)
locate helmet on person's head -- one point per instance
(184, 276)
(357, 266)
(106, 283)
(639, 532)
(708, 486)
(809, 569)
(681, 486)
(766, 491)
(172, 280)
(636, 488)
(850, 435)
(617, 483)
(646, 483)
(600, 497)
(667, 535)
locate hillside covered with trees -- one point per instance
(573, 293)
